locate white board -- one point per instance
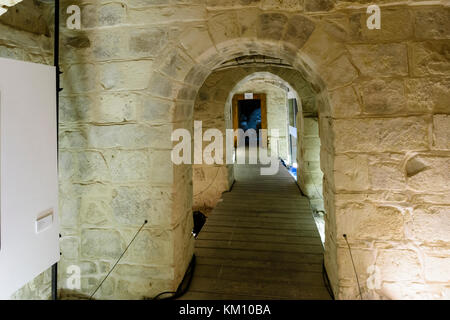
(29, 226)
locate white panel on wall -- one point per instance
(29, 226)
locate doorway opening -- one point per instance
(250, 113)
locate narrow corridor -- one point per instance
(260, 242)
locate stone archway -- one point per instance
(337, 73)
(213, 106)
(208, 60)
(382, 156)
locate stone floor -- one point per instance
(260, 242)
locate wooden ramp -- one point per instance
(260, 242)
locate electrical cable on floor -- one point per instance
(123, 253)
(184, 285)
(326, 281)
(353, 263)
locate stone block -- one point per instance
(431, 224)
(351, 173)
(384, 96)
(248, 20)
(108, 44)
(131, 75)
(155, 14)
(177, 64)
(381, 135)
(430, 58)
(91, 167)
(161, 86)
(75, 109)
(344, 103)
(95, 212)
(386, 173)
(129, 166)
(129, 136)
(271, 26)
(197, 41)
(69, 209)
(111, 14)
(115, 108)
(396, 25)
(224, 26)
(162, 167)
(339, 73)
(399, 265)
(380, 59)
(101, 244)
(70, 247)
(287, 5)
(137, 272)
(432, 175)
(131, 206)
(441, 131)
(147, 42)
(363, 259)
(299, 29)
(432, 23)
(318, 5)
(437, 267)
(431, 94)
(152, 246)
(368, 221)
(72, 139)
(79, 78)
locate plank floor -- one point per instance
(259, 243)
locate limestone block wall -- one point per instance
(116, 172)
(385, 192)
(132, 75)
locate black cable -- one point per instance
(188, 276)
(140, 229)
(354, 268)
(326, 281)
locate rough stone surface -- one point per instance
(132, 74)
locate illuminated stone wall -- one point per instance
(133, 72)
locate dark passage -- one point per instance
(249, 113)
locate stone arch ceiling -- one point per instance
(237, 74)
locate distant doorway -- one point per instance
(250, 113)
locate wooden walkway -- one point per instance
(260, 242)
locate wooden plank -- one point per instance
(270, 238)
(243, 230)
(259, 218)
(275, 266)
(263, 225)
(277, 290)
(242, 274)
(259, 255)
(260, 246)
